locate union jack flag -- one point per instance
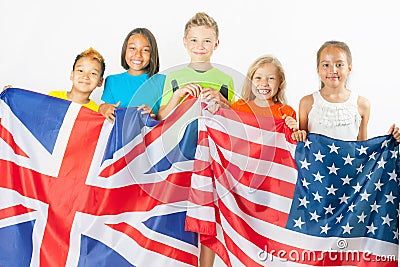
(258, 199)
(76, 190)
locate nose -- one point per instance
(333, 68)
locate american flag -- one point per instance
(260, 200)
(76, 190)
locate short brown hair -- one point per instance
(93, 54)
(154, 64)
(202, 19)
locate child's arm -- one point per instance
(192, 89)
(107, 110)
(304, 108)
(364, 109)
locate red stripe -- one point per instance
(155, 246)
(273, 246)
(14, 211)
(255, 181)
(9, 139)
(251, 149)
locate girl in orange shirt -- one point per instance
(263, 91)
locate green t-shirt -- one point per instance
(213, 78)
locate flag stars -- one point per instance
(347, 228)
(329, 209)
(372, 156)
(357, 187)
(396, 235)
(303, 202)
(343, 199)
(305, 164)
(375, 207)
(318, 177)
(348, 160)
(364, 196)
(394, 153)
(324, 229)
(346, 180)
(390, 198)
(378, 185)
(369, 175)
(333, 148)
(298, 222)
(362, 150)
(351, 207)
(361, 217)
(381, 163)
(314, 216)
(392, 175)
(360, 169)
(333, 169)
(371, 229)
(317, 197)
(319, 156)
(384, 143)
(386, 220)
(305, 183)
(339, 218)
(307, 144)
(331, 190)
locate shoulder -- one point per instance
(307, 100)
(363, 103)
(238, 104)
(57, 93)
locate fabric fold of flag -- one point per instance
(260, 200)
(78, 191)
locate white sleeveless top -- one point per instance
(336, 120)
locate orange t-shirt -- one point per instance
(277, 110)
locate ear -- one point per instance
(216, 44)
(71, 76)
(350, 67)
(100, 83)
(185, 42)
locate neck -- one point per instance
(201, 66)
(78, 97)
(263, 102)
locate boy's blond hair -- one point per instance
(93, 54)
(201, 19)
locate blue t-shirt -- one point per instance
(134, 91)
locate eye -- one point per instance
(271, 78)
(257, 78)
(94, 73)
(339, 65)
(325, 65)
(193, 40)
(146, 50)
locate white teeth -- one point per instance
(264, 91)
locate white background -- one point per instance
(40, 39)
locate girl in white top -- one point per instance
(334, 110)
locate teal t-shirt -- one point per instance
(213, 78)
(134, 91)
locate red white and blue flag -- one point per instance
(260, 200)
(76, 190)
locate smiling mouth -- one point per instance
(264, 91)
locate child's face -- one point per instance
(266, 81)
(200, 43)
(333, 67)
(137, 54)
(86, 75)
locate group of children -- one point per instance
(333, 110)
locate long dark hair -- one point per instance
(154, 64)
